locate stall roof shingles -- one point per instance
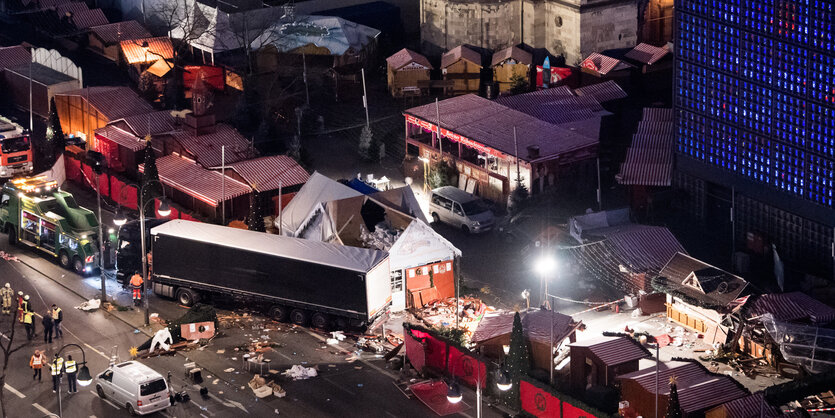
(535, 322)
(159, 47)
(751, 406)
(88, 18)
(189, 177)
(602, 92)
(153, 123)
(404, 57)
(647, 54)
(681, 265)
(452, 56)
(614, 350)
(267, 173)
(113, 102)
(491, 124)
(206, 148)
(605, 64)
(518, 54)
(41, 74)
(74, 7)
(794, 306)
(113, 33)
(14, 56)
(698, 389)
(121, 137)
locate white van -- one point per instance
(135, 386)
(460, 209)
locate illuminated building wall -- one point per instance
(755, 99)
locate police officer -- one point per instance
(136, 285)
(48, 325)
(6, 293)
(70, 368)
(29, 325)
(57, 317)
(56, 367)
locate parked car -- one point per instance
(460, 209)
(137, 387)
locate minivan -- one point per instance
(460, 209)
(135, 386)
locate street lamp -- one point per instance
(503, 382)
(84, 378)
(120, 219)
(544, 266)
(454, 395)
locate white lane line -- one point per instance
(94, 349)
(15, 391)
(203, 408)
(108, 402)
(92, 416)
(203, 416)
(165, 414)
(42, 409)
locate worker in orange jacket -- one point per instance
(136, 284)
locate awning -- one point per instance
(159, 68)
(649, 160)
(194, 180)
(433, 394)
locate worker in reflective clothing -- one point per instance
(7, 294)
(136, 284)
(57, 317)
(56, 367)
(36, 363)
(29, 325)
(70, 368)
(20, 307)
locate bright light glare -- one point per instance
(545, 264)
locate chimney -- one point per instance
(533, 151)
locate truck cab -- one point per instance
(35, 212)
(15, 149)
(128, 254)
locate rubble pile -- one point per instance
(442, 313)
(383, 237)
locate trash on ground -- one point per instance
(299, 372)
(90, 305)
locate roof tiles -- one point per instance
(159, 47)
(602, 92)
(270, 173)
(536, 324)
(406, 56)
(519, 55)
(207, 147)
(84, 19)
(794, 306)
(14, 56)
(189, 177)
(113, 102)
(614, 350)
(452, 56)
(113, 33)
(647, 54)
(603, 64)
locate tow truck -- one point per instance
(35, 212)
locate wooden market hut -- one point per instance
(494, 331)
(106, 40)
(508, 63)
(406, 69)
(462, 66)
(596, 361)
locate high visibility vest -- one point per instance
(36, 360)
(56, 313)
(70, 366)
(25, 306)
(136, 280)
(27, 318)
(56, 365)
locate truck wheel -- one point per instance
(341, 323)
(435, 218)
(64, 259)
(78, 265)
(320, 320)
(298, 317)
(131, 411)
(100, 391)
(186, 296)
(12, 236)
(279, 313)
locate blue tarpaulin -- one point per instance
(362, 186)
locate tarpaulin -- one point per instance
(433, 394)
(213, 76)
(415, 350)
(467, 368)
(571, 411)
(128, 198)
(87, 171)
(538, 402)
(104, 184)
(73, 167)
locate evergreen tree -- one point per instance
(366, 139)
(150, 177)
(441, 174)
(255, 220)
(518, 198)
(673, 408)
(294, 148)
(519, 84)
(55, 139)
(518, 362)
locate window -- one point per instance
(4, 201)
(151, 388)
(457, 210)
(442, 202)
(108, 375)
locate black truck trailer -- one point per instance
(289, 278)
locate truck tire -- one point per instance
(131, 411)
(64, 259)
(100, 392)
(78, 266)
(12, 236)
(320, 320)
(186, 296)
(341, 323)
(435, 218)
(279, 313)
(299, 317)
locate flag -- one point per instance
(778, 268)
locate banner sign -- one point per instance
(538, 402)
(452, 136)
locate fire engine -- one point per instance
(15, 149)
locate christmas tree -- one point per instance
(150, 177)
(518, 362)
(55, 140)
(256, 212)
(366, 139)
(673, 407)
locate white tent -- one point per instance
(318, 189)
(418, 245)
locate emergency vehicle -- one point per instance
(15, 149)
(35, 212)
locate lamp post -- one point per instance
(83, 379)
(454, 394)
(120, 219)
(425, 162)
(544, 266)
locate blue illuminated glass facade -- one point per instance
(755, 91)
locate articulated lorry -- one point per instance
(292, 279)
(128, 254)
(35, 212)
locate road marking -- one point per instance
(94, 349)
(165, 414)
(15, 391)
(285, 356)
(104, 399)
(42, 409)
(203, 408)
(203, 416)
(340, 387)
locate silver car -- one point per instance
(460, 209)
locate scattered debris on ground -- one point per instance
(442, 313)
(90, 305)
(299, 372)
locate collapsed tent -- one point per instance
(198, 313)
(809, 346)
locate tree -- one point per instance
(366, 138)
(150, 177)
(518, 362)
(255, 220)
(55, 139)
(518, 198)
(8, 348)
(519, 84)
(441, 173)
(294, 148)
(674, 407)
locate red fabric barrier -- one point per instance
(88, 176)
(415, 351)
(571, 411)
(129, 197)
(467, 368)
(104, 184)
(433, 394)
(538, 402)
(187, 217)
(73, 169)
(434, 350)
